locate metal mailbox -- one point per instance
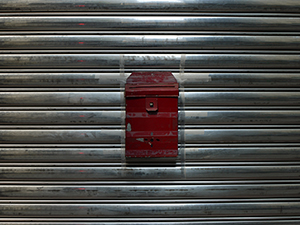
(151, 115)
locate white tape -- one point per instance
(182, 65)
(122, 65)
(202, 114)
(195, 132)
(201, 132)
(122, 80)
(182, 116)
(98, 76)
(194, 78)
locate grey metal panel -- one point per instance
(74, 154)
(166, 191)
(60, 98)
(255, 222)
(109, 117)
(68, 79)
(149, 61)
(114, 154)
(62, 117)
(61, 136)
(241, 98)
(137, 6)
(231, 117)
(151, 173)
(192, 23)
(115, 98)
(192, 136)
(157, 42)
(153, 210)
(230, 79)
(241, 135)
(263, 154)
(114, 79)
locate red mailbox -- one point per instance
(151, 115)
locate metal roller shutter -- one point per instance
(63, 67)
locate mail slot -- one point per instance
(151, 115)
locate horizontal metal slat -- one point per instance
(230, 79)
(149, 61)
(62, 117)
(61, 136)
(67, 79)
(60, 98)
(136, 5)
(231, 117)
(241, 135)
(153, 210)
(87, 117)
(73, 154)
(186, 79)
(264, 154)
(110, 136)
(116, 98)
(240, 98)
(113, 154)
(131, 70)
(151, 173)
(148, 191)
(171, 23)
(163, 222)
(158, 42)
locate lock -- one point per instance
(151, 104)
(151, 115)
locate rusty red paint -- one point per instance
(81, 43)
(81, 153)
(81, 189)
(151, 115)
(81, 171)
(80, 5)
(81, 115)
(81, 24)
(80, 60)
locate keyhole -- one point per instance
(151, 104)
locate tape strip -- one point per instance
(182, 65)
(122, 80)
(122, 66)
(182, 117)
(182, 132)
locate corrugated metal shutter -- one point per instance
(63, 65)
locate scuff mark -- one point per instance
(140, 139)
(128, 127)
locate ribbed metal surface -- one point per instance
(63, 66)
(145, 23)
(102, 154)
(179, 191)
(139, 61)
(280, 172)
(161, 42)
(113, 136)
(150, 209)
(200, 79)
(109, 117)
(256, 222)
(157, 6)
